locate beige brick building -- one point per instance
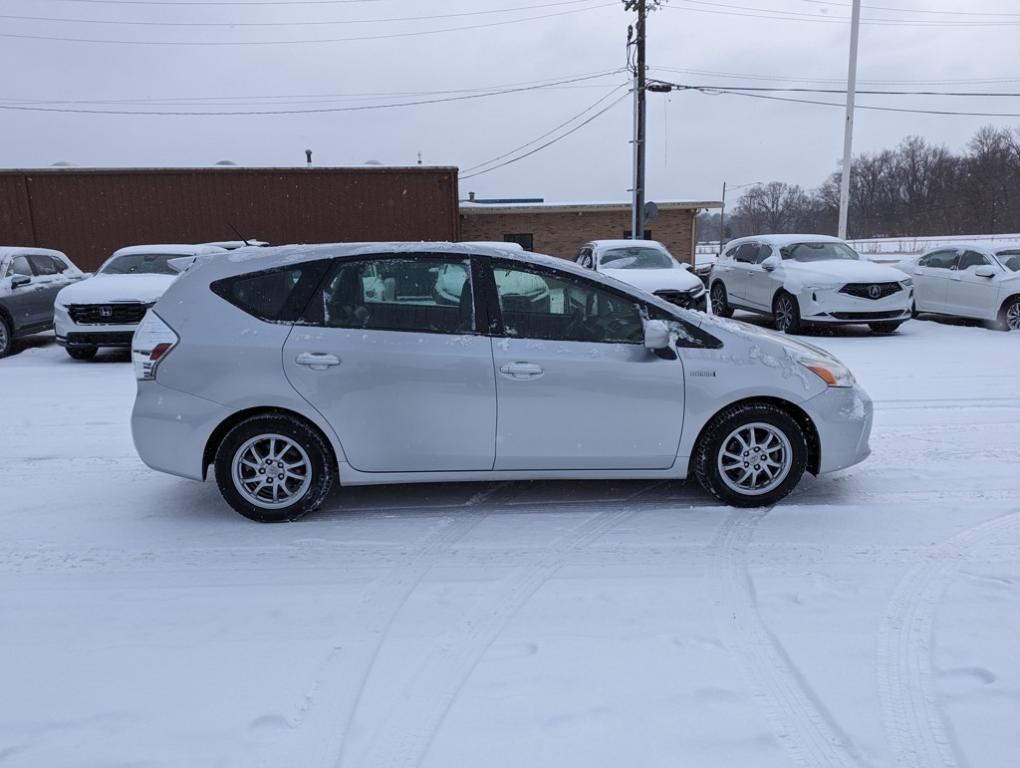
(559, 229)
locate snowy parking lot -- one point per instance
(871, 619)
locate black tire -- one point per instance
(1009, 315)
(6, 337)
(913, 310)
(786, 313)
(322, 467)
(82, 353)
(707, 452)
(885, 328)
(719, 300)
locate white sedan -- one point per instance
(803, 280)
(970, 280)
(648, 265)
(105, 309)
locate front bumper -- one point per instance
(171, 428)
(71, 334)
(685, 300)
(834, 307)
(843, 417)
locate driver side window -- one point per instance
(540, 305)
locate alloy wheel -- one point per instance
(755, 458)
(5, 339)
(784, 313)
(718, 299)
(1013, 316)
(271, 471)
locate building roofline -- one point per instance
(232, 169)
(473, 208)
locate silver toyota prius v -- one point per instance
(289, 370)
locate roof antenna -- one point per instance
(239, 235)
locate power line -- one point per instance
(550, 83)
(390, 36)
(122, 22)
(914, 10)
(549, 143)
(783, 78)
(359, 108)
(742, 88)
(546, 134)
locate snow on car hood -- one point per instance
(652, 280)
(844, 271)
(103, 288)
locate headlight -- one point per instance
(821, 287)
(907, 282)
(832, 373)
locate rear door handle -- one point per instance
(317, 361)
(521, 370)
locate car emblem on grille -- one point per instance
(106, 311)
(874, 291)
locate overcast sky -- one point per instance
(696, 141)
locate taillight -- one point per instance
(152, 342)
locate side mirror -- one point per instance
(985, 271)
(771, 263)
(656, 335)
(19, 280)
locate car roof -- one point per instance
(17, 250)
(627, 244)
(179, 249)
(780, 240)
(973, 245)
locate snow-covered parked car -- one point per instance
(648, 265)
(104, 310)
(281, 373)
(30, 279)
(973, 280)
(805, 280)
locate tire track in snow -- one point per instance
(798, 717)
(916, 726)
(421, 707)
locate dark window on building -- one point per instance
(525, 240)
(276, 295)
(648, 234)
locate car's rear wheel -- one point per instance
(751, 455)
(720, 303)
(786, 313)
(885, 328)
(1009, 315)
(82, 353)
(6, 337)
(274, 469)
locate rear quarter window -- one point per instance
(274, 295)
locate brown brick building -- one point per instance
(559, 229)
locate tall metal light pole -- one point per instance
(848, 132)
(637, 227)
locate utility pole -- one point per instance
(848, 133)
(722, 221)
(637, 227)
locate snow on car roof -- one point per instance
(14, 250)
(781, 240)
(173, 250)
(627, 244)
(974, 245)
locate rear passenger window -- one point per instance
(940, 260)
(43, 265)
(424, 294)
(276, 295)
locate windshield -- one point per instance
(1010, 259)
(819, 252)
(140, 264)
(637, 258)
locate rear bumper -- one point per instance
(843, 418)
(171, 429)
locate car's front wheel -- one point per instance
(6, 337)
(720, 304)
(1009, 316)
(751, 455)
(82, 353)
(274, 468)
(786, 313)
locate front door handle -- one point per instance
(317, 361)
(521, 370)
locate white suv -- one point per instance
(809, 279)
(104, 310)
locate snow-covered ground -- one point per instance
(869, 620)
